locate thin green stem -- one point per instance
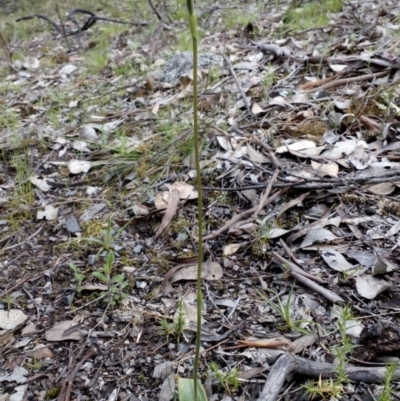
(193, 30)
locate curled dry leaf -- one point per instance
(49, 213)
(328, 169)
(172, 208)
(57, 332)
(79, 166)
(336, 260)
(256, 156)
(296, 146)
(41, 183)
(231, 249)
(186, 192)
(369, 286)
(383, 266)
(210, 271)
(318, 235)
(300, 344)
(11, 319)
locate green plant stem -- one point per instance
(193, 30)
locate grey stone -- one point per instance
(182, 63)
(73, 225)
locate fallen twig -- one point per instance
(300, 275)
(289, 363)
(93, 18)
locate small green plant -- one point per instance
(346, 347)
(282, 309)
(78, 276)
(325, 389)
(311, 14)
(387, 392)
(177, 328)
(265, 231)
(107, 238)
(229, 381)
(8, 300)
(115, 284)
(334, 388)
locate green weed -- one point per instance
(282, 309)
(78, 276)
(115, 283)
(228, 381)
(311, 14)
(387, 392)
(177, 328)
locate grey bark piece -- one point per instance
(182, 63)
(91, 212)
(73, 226)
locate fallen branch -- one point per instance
(240, 216)
(92, 19)
(289, 363)
(302, 277)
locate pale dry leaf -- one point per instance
(338, 67)
(17, 375)
(225, 143)
(94, 287)
(88, 133)
(161, 200)
(354, 328)
(300, 344)
(79, 166)
(230, 249)
(369, 286)
(296, 146)
(276, 232)
(328, 169)
(172, 208)
(336, 260)
(56, 333)
(317, 236)
(11, 319)
(256, 156)
(383, 266)
(49, 213)
(41, 183)
(210, 271)
(256, 109)
(186, 191)
(384, 188)
(80, 146)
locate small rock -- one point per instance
(73, 226)
(181, 63)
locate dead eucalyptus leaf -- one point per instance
(318, 235)
(231, 249)
(369, 286)
(210, 271)
(336, 260)
(170, 212)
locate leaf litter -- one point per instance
(300, 149)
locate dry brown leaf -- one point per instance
(172, 208)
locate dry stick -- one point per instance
(346, 81)
(239, 216)
(67, 385)
(238, 85)
(21, 243)
(322, 81)
(298, 274)
(264, 198)
(289, 363)
(62, 25)
(296, 268)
